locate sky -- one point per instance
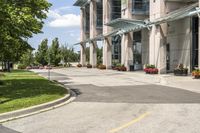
(63, 22)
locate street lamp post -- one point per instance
(49, 73)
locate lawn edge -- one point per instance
(21, 113)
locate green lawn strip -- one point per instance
(22, 89)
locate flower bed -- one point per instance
(151, 69)
(180, 70)
(196, 73)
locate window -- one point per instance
(116, 9)
(87, 25)
(99, 14)
(140, 6)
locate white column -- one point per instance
(127, 50)
(83, 37)
(157, 49)
(107, 46)
(93, 33)
(157, 40)
(93, 54)
(199, 40)
(83, 24)
(83, 54)
(107, 53)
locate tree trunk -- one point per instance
(8, 63)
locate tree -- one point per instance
(41, 55)
(68, 55)
(19, 20)
(55, 53)
(27, 58)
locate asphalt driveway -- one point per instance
(109, 101)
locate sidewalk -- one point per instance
(182, 82)
(115, 78)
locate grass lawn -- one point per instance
(22, 89)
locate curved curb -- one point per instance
(5, 117)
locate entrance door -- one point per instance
(195, 42)
(168, 57)
(137, 50)
(116, 50)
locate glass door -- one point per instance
(195, 42)
(137, 50)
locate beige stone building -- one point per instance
(164, 33)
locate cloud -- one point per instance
(66, 20)
(64, 8)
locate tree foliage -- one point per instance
(41, 55)
(19, 20)
(54, 52)
(68, 54)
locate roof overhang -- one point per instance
(184, 12)
(81, 3)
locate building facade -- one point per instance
(163, 33)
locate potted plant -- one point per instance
(123, 68)
(102, 67)
(79, 65)
(196, 73)
(89, 66)
(151, 69)
(180, 70)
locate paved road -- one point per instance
(109, 101)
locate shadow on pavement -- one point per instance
(142, 94)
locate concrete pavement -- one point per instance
(110, 101)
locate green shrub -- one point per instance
(1, 82)
(21, 66)
(150, 66)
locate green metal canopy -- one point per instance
(127, 25)
(122, 26)
(81, 3)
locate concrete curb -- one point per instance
(5, 117)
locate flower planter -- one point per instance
(102, 67)
(151, 70)
(89, 66)
(181, 72)
(196, 74)
(79, 65)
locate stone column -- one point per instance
(157, 40)
(107, 53)
(127, 50)
(93, 54)
(83, 37)
(83, 54)
(199, 40)
(107, 45)
(93, 33)
(127, 38)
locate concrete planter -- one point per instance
(181, 72)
